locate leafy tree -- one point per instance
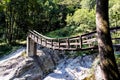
(18, 16)
(81, 19)
(40, 15)
(113, 2)
(88, 4)
(107, 60)
(115, 14)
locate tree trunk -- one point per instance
(107, 60)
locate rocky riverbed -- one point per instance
(21, 67)
(49, 65)
(78, 68)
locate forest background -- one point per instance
(54, 18)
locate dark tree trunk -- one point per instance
(107, 59)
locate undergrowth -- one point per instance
(80, 53)
(117, 56)
(6, 49)
(64, 32)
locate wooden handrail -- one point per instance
(68, 43)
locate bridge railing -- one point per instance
(82, 42)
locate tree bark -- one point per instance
(107, 60)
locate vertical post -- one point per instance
(81, 42)
(46, 42)
(31, 47)
(59, 43)
(76, 43)
(28, 45)
(34, 48)
(89, 43)
(52, 43)
(68, 44)
(37, 39)
(41, 40)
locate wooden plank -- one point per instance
(75, 44)
(63, 44)
(90, 40)
(74, 39)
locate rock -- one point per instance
(37, 67)
(18, 68)
(74, 69)
(30, 68)
(91, 77)
(61, 67)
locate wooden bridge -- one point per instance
(83, 42)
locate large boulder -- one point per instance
(20, 67)
(37, 67)
(79, 68)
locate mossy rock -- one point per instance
(91, 77)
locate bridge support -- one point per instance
(31, 47)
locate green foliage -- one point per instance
(115, 14)
(83, 18)
(82, 29)
(70, 3)
(117, 56)
(80, 53)
(63, 32)
(69, 31)
(88, 4)
(113, 2)
(18, 16)
(22, 15)
(6, 49)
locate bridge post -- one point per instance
(80, 42)
(31, 47)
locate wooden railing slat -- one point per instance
(80, 42)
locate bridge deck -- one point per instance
(82, 42)
(71, 43)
